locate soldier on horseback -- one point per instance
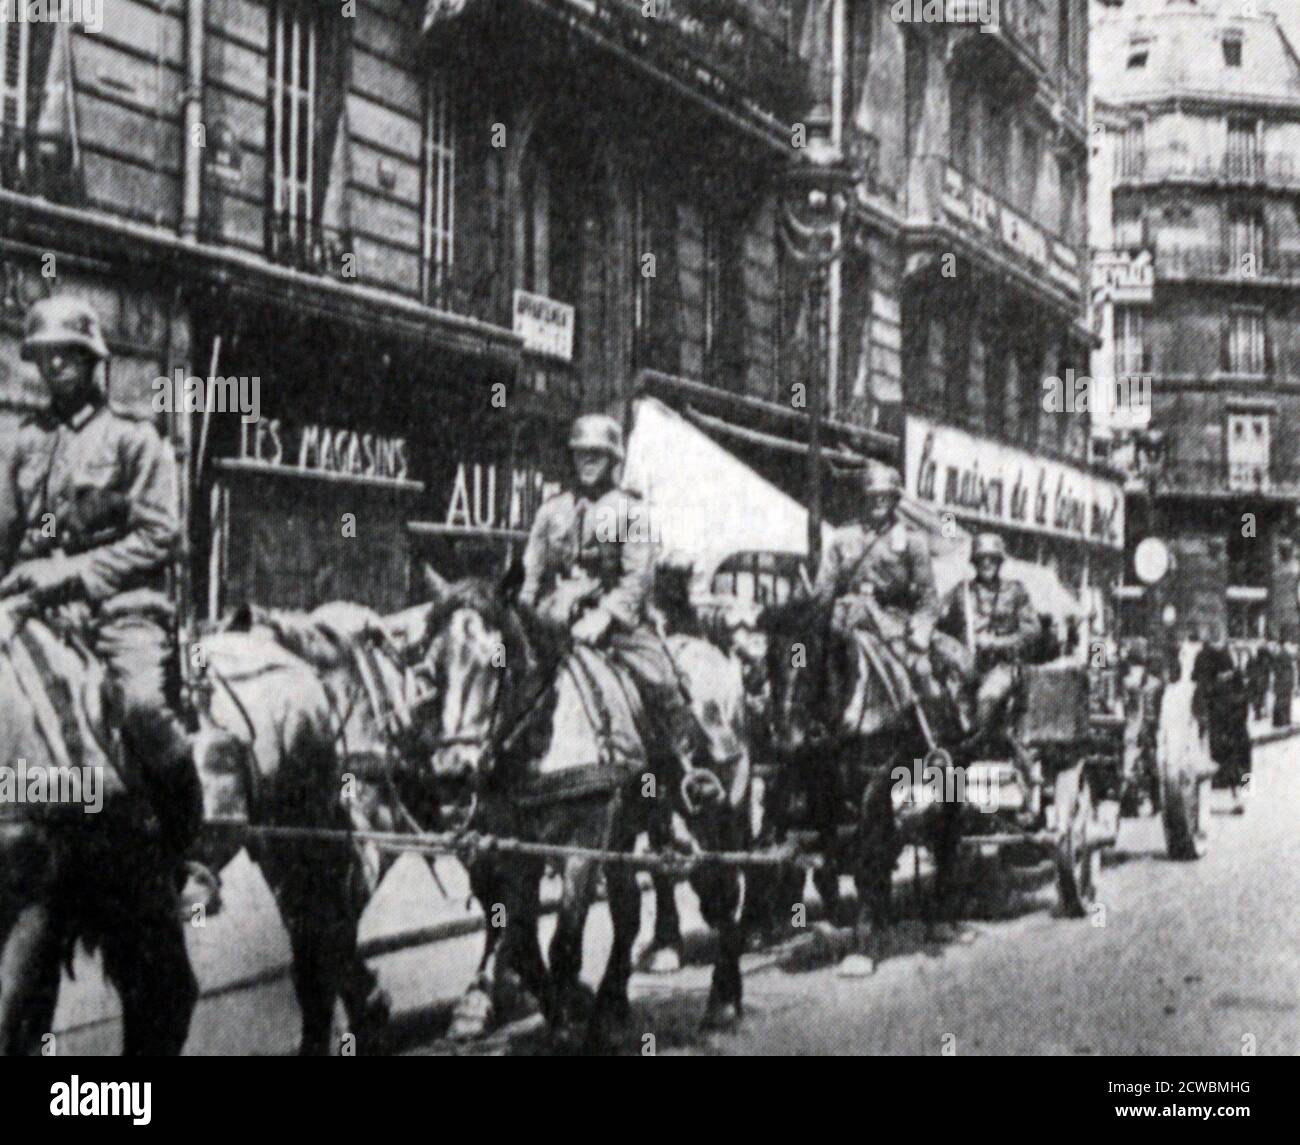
(988, 624)
(589, 566)
(879, 576)
(88, 517)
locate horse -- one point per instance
(68, 876)
(551, 740)
(842, 717)
(328, 692)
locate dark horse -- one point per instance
(74, 869)
(842, 723)
(551, 742)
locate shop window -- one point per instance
(438, 228)
(1247, 343)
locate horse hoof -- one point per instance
(664, 960)
(855, 966)
(721, 1017)
(472, 1016)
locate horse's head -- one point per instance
(797, 642)
(473, 639)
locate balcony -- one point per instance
(1213, 264)
(741, 54)
(1275, 169)
(1227, 480)
(944, 199)
(307, 246)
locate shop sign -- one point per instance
(987, 482)
(546, 326)
(1124, 277)
(273, 444)
(977, 208)
(487, 496)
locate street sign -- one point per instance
(1152, 560)
(1124, 277)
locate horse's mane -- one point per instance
(323, 637)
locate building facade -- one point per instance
(1197, 198)
(431, 233)
(993, 298)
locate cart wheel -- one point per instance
(1078, 859)
(1185, 778)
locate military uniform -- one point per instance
(991, 626)
(88, 513)
(598, 554)
(891, 566)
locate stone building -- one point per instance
(1196, 201)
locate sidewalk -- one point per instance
(1263, 731)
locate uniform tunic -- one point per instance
(894, 566)
(1001, 623)
(98, 491)
(607, 548)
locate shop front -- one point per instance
(1053, 514)
(360, 436)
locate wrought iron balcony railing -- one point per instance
(1241, 266)
(309, 246)
(1228, 479)
(1268, 168)
(743, 49)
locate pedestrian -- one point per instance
(1222, 702)
(1284, 677)
(1259, 676)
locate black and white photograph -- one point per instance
(651, 528)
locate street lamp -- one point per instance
(815, 194)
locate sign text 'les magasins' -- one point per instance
(987, 481)
(324, 449)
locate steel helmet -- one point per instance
(882, 479)
(988, 545)
(63, 320)
(597, 431)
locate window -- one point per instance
(1132, 149)
(1130, 233)
(292, 71)
(1232, 49)
(1130, 341)
(438, 228)
(1243, 148)
(1139, 51)
(654, 299)
(1030, 165)
(1247, 343)
(723, 310)
(1246, 242)
(936, 362)
(1249, 440)
(15, 58)
(999, 146)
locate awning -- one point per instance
(708, 505)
